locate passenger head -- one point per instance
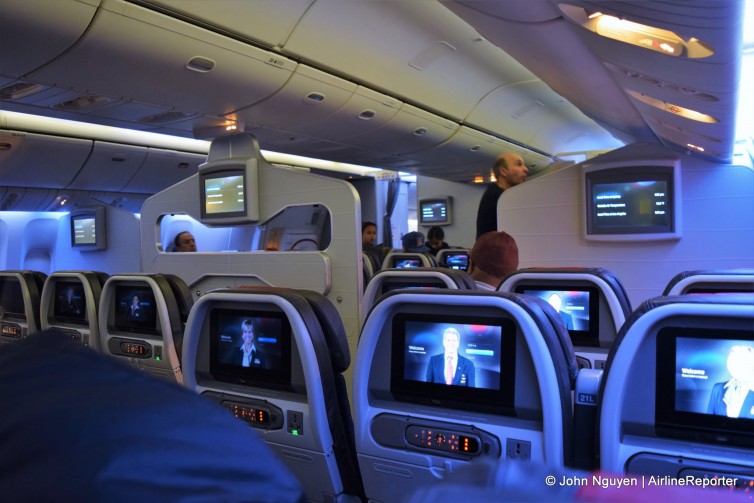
(368, 234)
(741, 364)
(247, 332)
(184, 242)
(510, 170)
(413, 242)
(494, 256)
(135, 300)
(435, 237)
(451, 339)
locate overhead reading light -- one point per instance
(478, 179)
(637, 34)
(673, 109)
(493, 178)
(421, 131)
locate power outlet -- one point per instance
(518, 449)
(295, 422)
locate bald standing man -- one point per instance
(510, 170)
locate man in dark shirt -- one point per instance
(510, 170)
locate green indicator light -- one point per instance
(295, 432)
(157, 358)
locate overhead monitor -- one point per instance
(89, 229)
(704, 385)
(577, 306)
(636, 201)
(436, 210)
(250, 347)
(229, 196)
(480, 378)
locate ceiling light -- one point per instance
(673, 109)
(637, 34)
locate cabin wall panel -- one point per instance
(121, 255)
(718, 232)
(28, 234)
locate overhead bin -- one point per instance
(411, 130)
(40, 31)
(35, 160)
(365, 111)
(530, 113)
(308, 97)
(23, 199)
(428, 58)
(267, 22)
(163, 168)
(476, 151)
(110, 167)
(128, 46)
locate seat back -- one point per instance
(509, 395)
(70, 303)
(20, 303)
(141, 320)
(292, 391)
(592, 303)
(407, 260)
(387, 280)
(662, 409)
(711, 281)
(454, 258)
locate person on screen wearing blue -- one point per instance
(510, 170)
(247, 354)
(184, 242)
(450, 367)
(735, 397)
(493, 257)
(556, 302)
(436, 240)
(134, 311)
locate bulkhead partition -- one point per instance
(591, 302)
(508, 398)
(665, 390)
(286, 388)
(335, 271)
(711, 281)
(70, 303)
(20, 303)
(141, 321)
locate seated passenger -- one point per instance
(413, 242)
(436, 240)
(80, 426)
(735, 397)
(184, 242)
(494, 256)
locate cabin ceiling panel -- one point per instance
(35, 160)
(417, 50)
(365, 111)
(553, 52)
(34, 33)
(146, 56)
(308, 97)
(268, 21)
(110, 166)
(510, 10)
(163, 168)
(411, 130)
